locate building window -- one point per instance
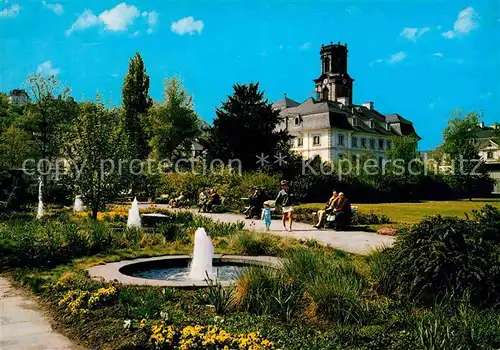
(389, 144)
(372, 144)
(325, 94)
(316, 140)
(354, 142)
(327, 64)
(300, 142)
(380, 144)
(489, 155)
(340, 140)
(363, 143)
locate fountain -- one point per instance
(203, 254)
(78, 206)
(39, 215)
(183, 270)
(134, 219)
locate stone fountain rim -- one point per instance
(111, 272)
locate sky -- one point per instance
(420, 59)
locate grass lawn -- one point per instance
(402, 214)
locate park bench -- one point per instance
(330, 218)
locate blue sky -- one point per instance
(421, 59)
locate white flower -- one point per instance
(218, 319)
(127, 324)
(164, 315)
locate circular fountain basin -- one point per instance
(173, 270)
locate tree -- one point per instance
(136, 103)
(469, 176)
(9, 112)
(245, 127)
(403, 147)
(496, 132)
(48, 117)
(16, 145)
(94, 150)
(173, 124)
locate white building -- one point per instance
(489, 151)
(331, 126)
(18, 97)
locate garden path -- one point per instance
(23, 326)
(358, 242)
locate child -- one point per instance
(266, 215)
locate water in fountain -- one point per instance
(78, 206)
(39, 214)
(134, 219)
(203, 254)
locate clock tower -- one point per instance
(334, 83)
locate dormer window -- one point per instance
(354, 121)
(372, 124)
(297, 121)
(387, 126)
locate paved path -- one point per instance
(22, 325)
(358, 242)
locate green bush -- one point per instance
(255, 243)
(216, 295)
(173, 232)
(369, 219)
(50, 242)
(444, 257)
(310, 283)
(262, 291)
(382, 264)
(230, 185)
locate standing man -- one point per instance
(284, 202)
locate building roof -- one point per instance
(18, 92)
(485, 143)
(284, 103)
(487, 132)
(314, 114)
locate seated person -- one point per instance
(329, 207)
(256, 202)
(343, 211)
(214, 199)
(203, 200)
(177, 201)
